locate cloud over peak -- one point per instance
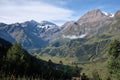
(22, 10)
(74, 36)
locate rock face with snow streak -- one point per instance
(48, 29)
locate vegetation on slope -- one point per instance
(114, 60)
(80, 49)
(16, 62)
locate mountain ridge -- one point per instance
(33, 34)
(28, 33)
(99, 34)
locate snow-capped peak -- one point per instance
(108, 14)
(46, 24)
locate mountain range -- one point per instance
(86, 38)
(30, 34)
(94, 28)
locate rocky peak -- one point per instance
(93, 13)
(2, 24)
(46, 25)
(117, 14)
(93, 16)
(67, 24)
(31, 23)
(43, 23)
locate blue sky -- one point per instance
(57, 11)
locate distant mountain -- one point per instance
(86, 38)
(44, 29)
(30, 34)
(35, 35)
(89, 24)
(48, 30)
(94, 16)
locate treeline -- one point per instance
(15, 62)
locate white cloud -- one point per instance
(12, 11)
(74, 36)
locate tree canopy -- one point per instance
(114, 60)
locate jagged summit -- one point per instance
(93, 13)
(117, 14)
(67, 24)
(93, 16)
(46, 22)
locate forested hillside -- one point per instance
(16, 63)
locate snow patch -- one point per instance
(107, 14)
(45, 27)
(112, 15)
